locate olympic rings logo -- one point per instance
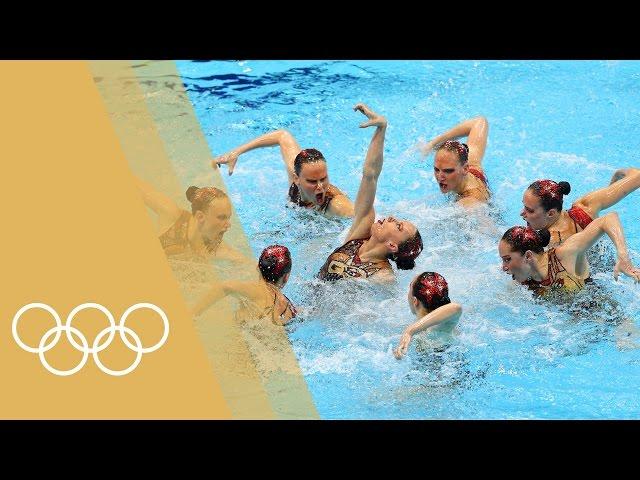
(96, 347)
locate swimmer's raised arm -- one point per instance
(289, 148)
(166, 209)
(477, 131)
(575, 247)
(445, 313)
(624, 182)
(363, 208)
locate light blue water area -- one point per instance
(513, 357)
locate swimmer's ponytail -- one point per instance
(565, 188)
(404, 263)
(407, 252)
(545, 237)
(191, 191)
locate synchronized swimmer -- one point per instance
(458, 166)
(197, 234)
(265, 294)
(309, 185)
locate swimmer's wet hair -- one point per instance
(461, 149)
(550, 193)
(521, 239)
(275, 262)
(431, 289)
(200, 198)
(308, 155)
(407, 252)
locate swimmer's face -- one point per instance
(448, 171)
(514, 263)
(216, 220)
(533, 212)
(313, 182)
(392, 232)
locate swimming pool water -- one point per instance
(513, 358)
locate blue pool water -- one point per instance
(513, 358)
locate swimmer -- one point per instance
(542, 204)
(370, 244)
(457, 166)
(560, 268)
(309, 185)
(429, 302)
(198, 232)
(265, 295)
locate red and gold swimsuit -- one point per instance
(344, 262)
(558, 278)
(482, 191)
(176, 239)
(579, 216)
(580, 219)
(289, 311)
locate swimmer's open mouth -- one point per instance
(443, 185)
(319, 197)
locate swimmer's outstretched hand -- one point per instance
(229, 159)
(401, 349)
(375, 120)
(625, 266)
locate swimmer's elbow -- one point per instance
(370, 174)
(610, 217)
(456, 308)
(283, 135)
(634, 173)
(481, 121)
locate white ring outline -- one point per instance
(156, 309)
(29, 306)
(138, 350)
(85, 353)
(103, 309)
